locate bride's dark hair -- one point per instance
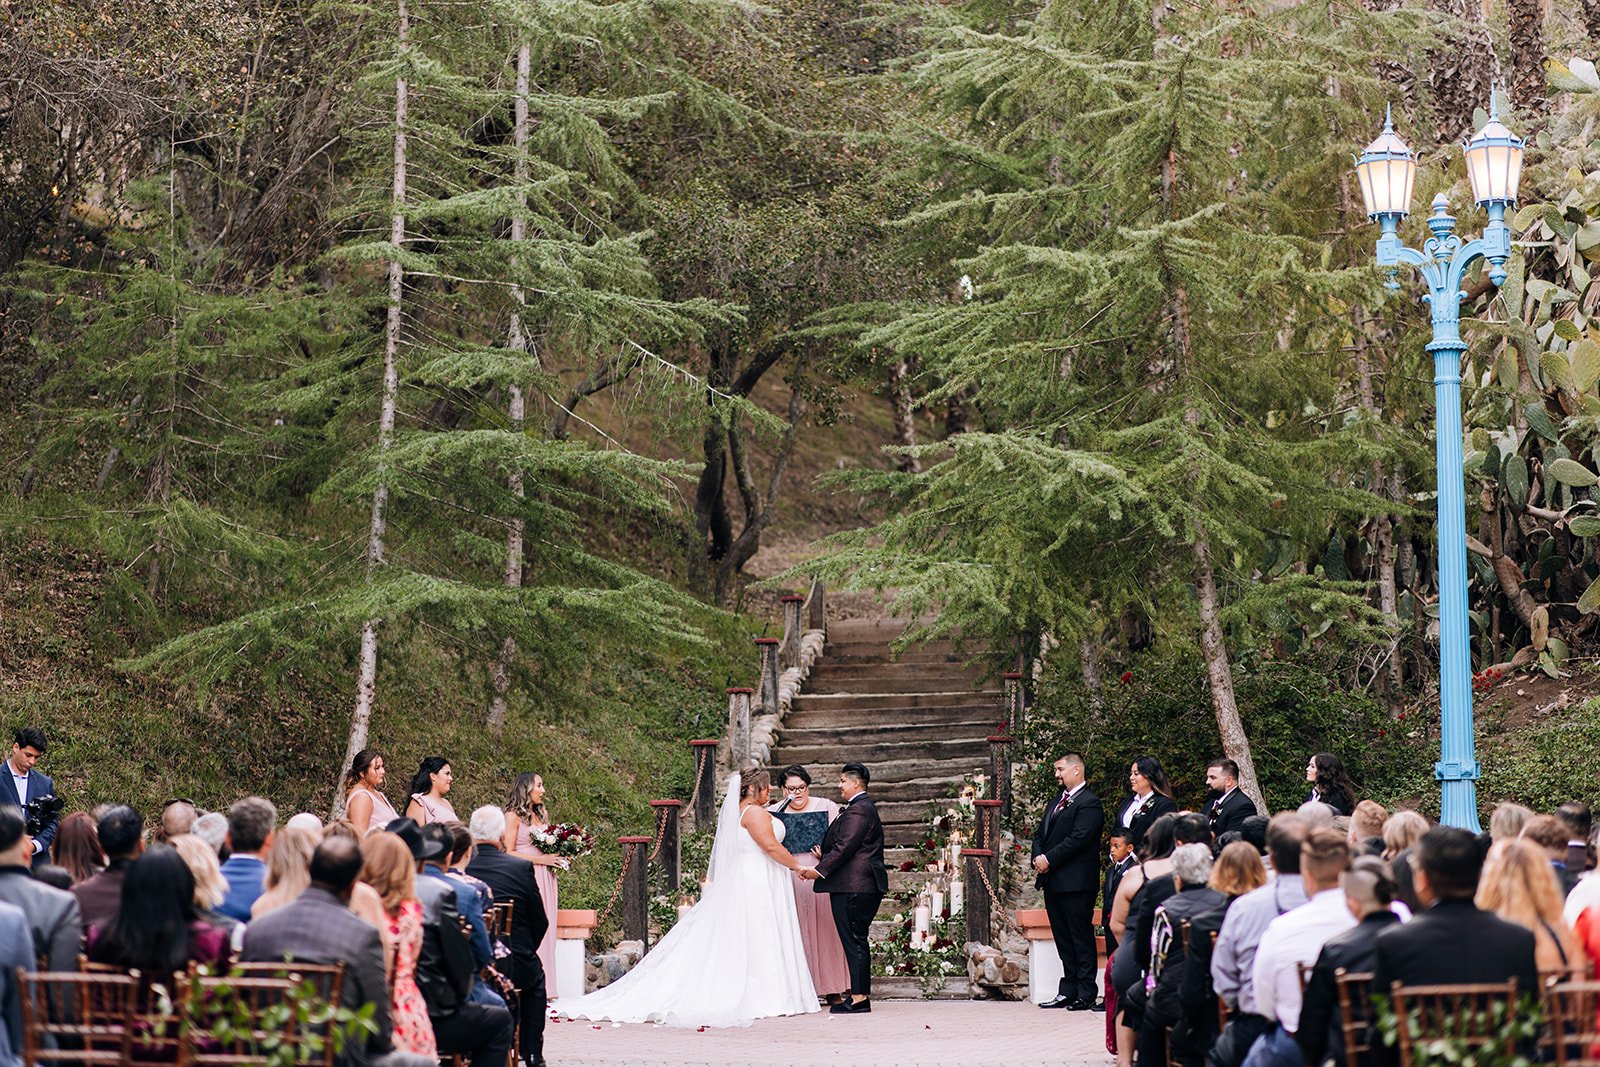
(753, 781)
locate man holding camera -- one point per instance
(28, 789)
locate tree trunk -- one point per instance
(905, 425)
(955, 413)
(1383, 525)
(517, 341)
(366, 684)
(1089, 664)
(1219, 669)
(1463, 70)
(1525, 30)
(1591, 19)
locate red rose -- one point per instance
(1127, 677)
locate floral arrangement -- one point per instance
(566, 839)
(952, 822)
(933, 958)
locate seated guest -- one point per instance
(77, 847)
(1155, 860)
(1451, 941)
(319, 928)
(364, 900)
(16, 954)
(177, 818)
(1507, 820)
(1233, 962)
(52, 914)
(1237, 871)
(209, 886)
(1368, 891)
(1400, 836)
(388, 866)
(1330, 784)
(1550, 834)
(288, 868)
(1190, 829)
(1295, 938)
(306, 822)
(156, 930)
(1253, 832)
(252, 824)
(53, 876)
(1518, 885)
(212, 828)
(121, 834)
(1579, 821)
(1366, 828)
(1318, 816)
(1192, 896)
(1228, 812)
(511, 879)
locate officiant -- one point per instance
(805, 819)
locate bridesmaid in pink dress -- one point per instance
(432, 782)
(364, 803)
(805, 819)
(524, 814)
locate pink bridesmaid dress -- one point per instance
(544, 876)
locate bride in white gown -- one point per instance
(736, 956)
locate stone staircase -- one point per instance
(919, 723)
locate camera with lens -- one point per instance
(41, 812)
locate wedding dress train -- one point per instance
(733, 958)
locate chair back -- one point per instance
(326, 982)
(1222, 1005)
(498, 920)
(240, 1021)
(90, 1014)
(1471, 1017)
(1572, 1023)
(1355, 1014)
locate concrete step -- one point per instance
(821, 683)
(973, 727)
(875, 752)
(960, 698)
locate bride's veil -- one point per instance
(723, 845)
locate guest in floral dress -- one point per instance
(388, 867)
(525, 814)
(428, 788)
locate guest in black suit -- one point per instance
(1122, 858)
(851, 871)
(1151, 799)
(1231, 808)
(1330, 784)
(1369, 889)
(511, 879)
(319, 927)
(1452, 941)
(1066, 855)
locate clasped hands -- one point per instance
(1041, 864)
(808, 874)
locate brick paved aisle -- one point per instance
(898, 1033)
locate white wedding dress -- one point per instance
(733, 958)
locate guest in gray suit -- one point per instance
(52, 913)
(319, 927)
(14, 954)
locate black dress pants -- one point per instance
(1071, 926)
(853, 914)
(481, 1032)
(530, 1009)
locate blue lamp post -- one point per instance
(1387, 171)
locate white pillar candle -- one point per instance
(920, 926)
(955, 896)
(955, 853)
(938, 904)
(683, 909)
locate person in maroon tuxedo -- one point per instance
(851, 871)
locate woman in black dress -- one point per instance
(1330, 784)
(1150, 799)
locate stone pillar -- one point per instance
(767, 649)
(704, 753)
(667, 859)
(977, 900)
(635, 890)
(1000, 773)
(739, 727)
(1013, 699)
(792, 627)
(573, 927)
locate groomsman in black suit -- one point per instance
(851, 870)
(1066, 855)
(1231, 807)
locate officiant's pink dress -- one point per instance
(830, 972)
(544, 876)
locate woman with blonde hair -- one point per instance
(210, 887)
(1519, 885)
(387, 866)
(1402, 831)
(288, 869)
(1238, 870)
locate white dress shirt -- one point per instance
(1293, 938)
(1132, 811)
(20, 781)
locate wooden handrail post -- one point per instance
(667, 853)
(1000, 773)
(789, 655)
(704, 795)
(986, 824)
(739, 726)
(1013, 699)
(817, 602)
(978, 905)
(635, 891)
(767, 648)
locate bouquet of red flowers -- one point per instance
(566, 839)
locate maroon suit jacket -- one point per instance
(852, 851)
